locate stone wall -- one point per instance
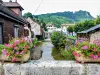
(94, 36)
(49, 68)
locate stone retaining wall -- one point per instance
(49, 68)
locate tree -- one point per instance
(26, 15)
(98, 20)
(84, 25)
(70, 29)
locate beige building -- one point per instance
(64, 27)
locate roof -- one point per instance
(91, 29)
(6, 12)
(12, 4)
(68, 24)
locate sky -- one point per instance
(51, 6)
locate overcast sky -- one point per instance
(49, 6)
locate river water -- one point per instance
(47, 50)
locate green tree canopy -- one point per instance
(84, 25)
(26, 15)
(70, 29)
(98, 20)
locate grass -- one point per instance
(56, 54)
(72, 37)
(62, 55)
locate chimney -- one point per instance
(10, 0)
(1, 1)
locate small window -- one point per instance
(16, 31)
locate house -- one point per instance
(51, 28)
(11, 21)
(36, 29)
(64, 28)
(90, 34)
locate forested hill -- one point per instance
(65, 17)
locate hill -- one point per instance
(64, 17)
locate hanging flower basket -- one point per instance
(17, 50)
(83, 59)
(24, 58)
(83, 51)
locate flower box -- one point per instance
(24, 58)
(83, 59)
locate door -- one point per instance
(1, 40)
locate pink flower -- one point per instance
(74, 53)
(14, 59)
(95, 57)
(5, 52)
(94, 49)
(78, 55)
(26, 47)
(9, 45)
(16, 42)
(22, 52)
(76, 43)
(16, 48)
(85, 47)
(99, 54)
(17, 53)
(91, 55)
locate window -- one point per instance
(16, 31)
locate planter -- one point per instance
(24, 58)
(83, 59)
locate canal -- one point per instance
(47, 51)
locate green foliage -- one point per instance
(98, 20)
(58, 39)
(65, 17)
(70, 29)
(84, 25)
(1, 48)
(26, 15)
(56, 54)
(68, 54)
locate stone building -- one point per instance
(11, 22)
(90, 34)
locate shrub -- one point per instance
(58, 39)
(67, 54)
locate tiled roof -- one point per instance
(12, 4)
(4, 11)
(91, 29)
